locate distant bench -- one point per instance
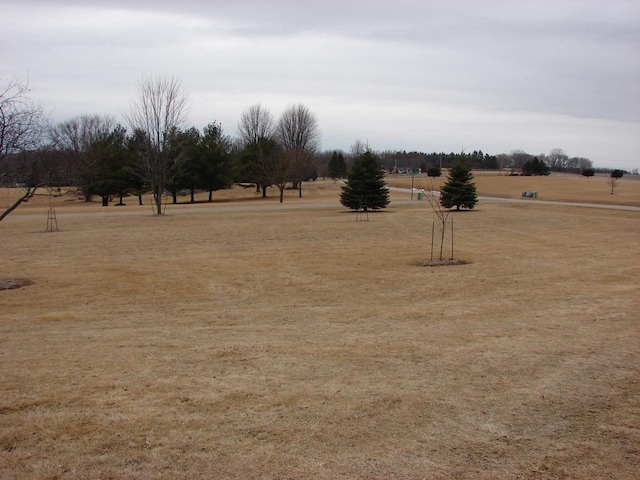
(530, 194)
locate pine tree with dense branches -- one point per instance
(459, 189)
(535, 167)
(337, 167)
(365, 186)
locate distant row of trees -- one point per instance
(277, 153)
(404, 162)
(517, 161)
(557, 161)
(156, 154)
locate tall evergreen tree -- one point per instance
(106, 171)
(459, 189)
(365, 186)
(213, 162)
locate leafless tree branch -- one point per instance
(157, 114)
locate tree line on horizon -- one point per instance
(100, 157)
(156, 153)
(515, 161)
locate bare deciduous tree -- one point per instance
(79, 133)
(516, 160)
(21, 119)
(357, 148)
(157, 114)
(75, 139)
(613, 183)
(442, 214)
(22, 123)
(299, 136)
(557, 160)
(256, 123)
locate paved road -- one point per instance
(184, 209)
(568, 204)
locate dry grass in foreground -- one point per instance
(280, 343)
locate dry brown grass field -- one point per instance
(251, 340)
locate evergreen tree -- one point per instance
(365, 186)
(337, 167)
(459, 189)
(535, 167)
(588, 172)
(213, 161)
(106, 170)
(434, 172)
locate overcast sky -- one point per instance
(495, 75)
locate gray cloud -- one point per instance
(419, 75)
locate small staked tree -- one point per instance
(442, 214)
(614, 178)
(157, 114)
(459, 189)
(365, 186)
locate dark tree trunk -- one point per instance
(158, 200)
(193, 197)
(210, 196)
(105, 200)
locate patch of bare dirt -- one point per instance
(11, 283)
(442, 263)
